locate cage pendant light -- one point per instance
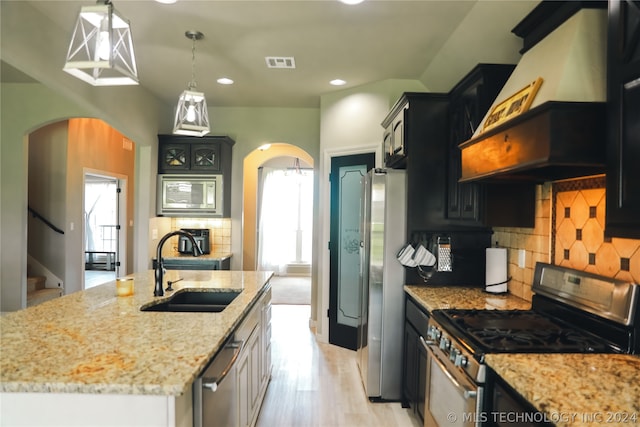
(192, 117)
(101, 48)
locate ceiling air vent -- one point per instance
(280, 62)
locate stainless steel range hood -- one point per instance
(562, 135)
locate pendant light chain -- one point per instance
(192, 85)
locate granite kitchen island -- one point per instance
(94, 358)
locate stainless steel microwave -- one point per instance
(189, 195)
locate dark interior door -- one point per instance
(344, 246)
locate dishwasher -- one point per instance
(216, 400)
(215, 396)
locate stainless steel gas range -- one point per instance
(572, 312)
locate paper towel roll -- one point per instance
(496, 272)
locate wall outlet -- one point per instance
(522, 258)
(154, 233)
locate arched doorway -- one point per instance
(60, 156)
(250, 191)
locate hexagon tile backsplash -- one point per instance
(577, 238)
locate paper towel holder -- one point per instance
(496, 281)
(498, 284)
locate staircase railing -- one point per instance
(45, 220)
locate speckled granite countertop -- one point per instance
(440, 297)
(95, 342)
(572, 389)
(575, 389)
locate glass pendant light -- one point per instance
(101, 48)
(192, 117)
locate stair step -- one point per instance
(41, 295)
(35, 283)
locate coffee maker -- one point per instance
(201, 236)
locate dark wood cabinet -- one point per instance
(623, 104)
(420, 122)
(414, 372)
(470, 101)
(425, 156)
(196, 155)
(422, 134)
(504, 399)
(394, 147)
(409, 365)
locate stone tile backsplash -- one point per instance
(569, 231)
(220, 231)
(578, 239)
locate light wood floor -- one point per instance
(295, 290)
(97, 277)
(318, 384)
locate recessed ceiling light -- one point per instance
(350, 2)
(225, 81)
(337, 82)
(167, 1)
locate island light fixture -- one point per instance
(101, 48)
(192, 117)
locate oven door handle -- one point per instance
(468, 394)
(426, 343)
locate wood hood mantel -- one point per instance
(556, 140)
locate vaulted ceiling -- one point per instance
(436, 42)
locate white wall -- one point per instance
(47, 195)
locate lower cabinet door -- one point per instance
(410, 376)
(244, 390)
(256, 377)
(249, 379)
(421, 364)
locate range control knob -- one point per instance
(445, 343)
(454, 354)
(461, 360)
(434, 333)
(431, 332)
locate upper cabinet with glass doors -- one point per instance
(196, 155)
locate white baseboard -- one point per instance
(298, 270)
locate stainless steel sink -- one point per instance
(195, 301)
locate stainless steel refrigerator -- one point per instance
(383, 233)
